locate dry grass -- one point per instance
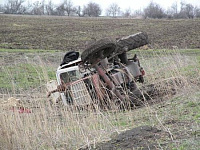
(60, 127)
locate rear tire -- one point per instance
(131, 42)
(98, 51)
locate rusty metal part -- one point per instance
(123, 58)
(110, 84)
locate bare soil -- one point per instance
(67, 33)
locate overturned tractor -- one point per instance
(102, 76)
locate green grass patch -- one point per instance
(27, 50)
(191, 144)
(185, 107)
(24, 76)
(151, 52)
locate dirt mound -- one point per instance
(143, 137)
(156, 92)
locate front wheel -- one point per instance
(98, 51)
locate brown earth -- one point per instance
(67, 33)
(143, 137)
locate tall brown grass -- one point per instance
(60, 127)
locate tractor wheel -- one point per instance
(131, 42)
(98, 51)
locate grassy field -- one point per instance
(51, 127)
(32, 47)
